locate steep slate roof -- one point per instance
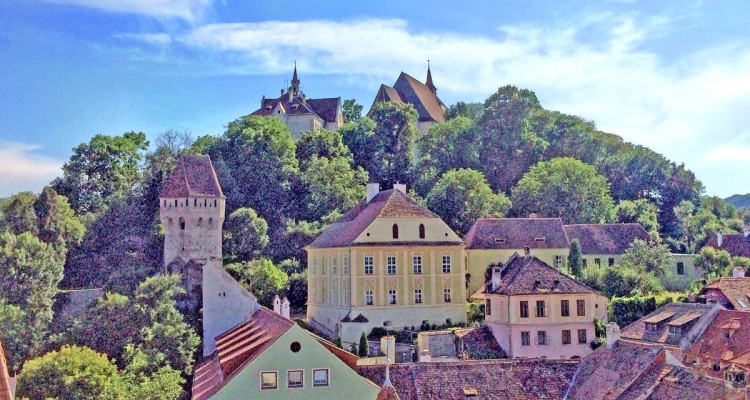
(409, 90)
(507, 379)
(670, 314)
(736, 290)
(735, 244)
(530, 275)
(517, 233)
(193, 176)
(386, 204)
(237, 348)
(606, 238)
(6, 383)
(326, 109)
(714, 345)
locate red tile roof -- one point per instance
(517, 233)
(387, 393)
(685, 384)
(714, 345)
(386, 204)
(325, 109)
(491, 379)
(530, 275)
(736, 290)
(345, 356)
(670, 314)
(193, 176)
(735, 244)
(409, 90)
(237, 348)
(6, 386)
(606, 238)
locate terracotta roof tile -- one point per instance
(686, 314)
(735, 290)
(714, 345)
(530, 275)
(325, 109)
(517, 233)
(387, 393)
(684, 384)
(193, 176)
(606, 238)
(409, 90)
(345, 356)
(6, 386)
(735, 244)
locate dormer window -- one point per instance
(395, 231)
(539, 239)
(421, 231)
(499, 240)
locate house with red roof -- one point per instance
(732, 293)
(723, 346)
(387, 262)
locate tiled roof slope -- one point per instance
(735, 244)
(606, 238)
(387, 393)
(6, 387)
(607, 373)
(736, 290)
(427, 104)
(681, 383)
(326, 109)
(490, 379)
(517, 233)
(713, 344)
(237, 348)
(386, 204)
(345, 356)
(693, 315)
(530, 275)
(193, 176)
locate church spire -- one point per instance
(295, 81)
(428, 82)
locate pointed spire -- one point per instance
(428, 82)
(295, 81)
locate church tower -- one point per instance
(191, 210)
(294, 89)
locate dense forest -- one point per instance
(97, 226)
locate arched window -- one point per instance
(171, 222)
(421, 231)
(175, 202)
(205, 202)
(395, 231)
(195, 202)
(165, 202)
(210, 222)
(200, 221)
(214, 203)
(182, 224)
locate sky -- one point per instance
(671, 75)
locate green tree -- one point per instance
(13, 335)
(245, 235)
(69, 374)
(105, 169)
(364, 346)
(297, 290)
(472, 111)
(714, 263)
(321, 144)
(332, 185)
(639, 211)
(651, 257)
(352, 110)
(575, 258)
(339, 343)
(394, 134)
(565, 188)
(450, 145)
(19, 214)
(261, 278)
(107, 326)
(353, 349)
(359, 138)
(462, 196)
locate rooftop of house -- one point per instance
(726, 339)
(484, 379)
(517, 233)
(387, 393)
(326, 109)
(530, 275)
(387, 204)
(606, 238)
(684, 384)
(735, 244)
(7, 386)
(193, 176)
(736, 290)
(409, 90)
(655, 327)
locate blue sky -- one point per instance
(671, 75)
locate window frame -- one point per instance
(487, 306)
(523, 309)
(276, 377)
(680, 266)
(328, 377)
(565, 308)
(582, 336)
(302, 379)
(541, 309)
(611, 261)
(394, 231)
(447, 295)
(448, 264)
(388, 265)
(414, 264)
(525, 338)
(541, 338)
(580, 307)
(392, 296)
(418, 299)
(566, 337)
(369, 268)
(422, 232)
(371, 294)
(559, 262)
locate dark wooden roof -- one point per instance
(517, 233)
(606, 238)
(193, 176)
(530, 275)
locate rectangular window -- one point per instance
(391, 265)
(582, 336)
(680, 268)
(446, 264)
(565, 308)
(369, 297)
(581, 307)
(524, 309)
(369, 265)
(598, 262)
(418, 296)
(345, 269)
(323, 266)
(540, 308)
(525, 338)
(269, 380)
(566, 336)
(488, 307)
(558, 262)
(447, 295)
(611, 262)
(541, 337)
(392, 296)
(417, 263)
(321, 377)
(295, 379)
(315, 266)
(334, 265)
(585, 263)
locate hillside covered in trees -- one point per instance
(97, 226)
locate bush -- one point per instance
(626, 310)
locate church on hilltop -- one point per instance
(423, 96)
(301, 114)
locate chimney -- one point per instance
(263, 102)
(738, 272)
(285, 308)
(613, 334)
(746, 231)
(719, 236)
(496, 278)
(277, 304)
(282, 92)
(400, 187)
(372, 190)
(388, 347)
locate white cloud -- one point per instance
(186, 9)
(23, 169)
(160, 39)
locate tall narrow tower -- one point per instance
(191, 210)
(295, 82)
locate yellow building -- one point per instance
(534, 310)
(495, 240)
(604, 244)
(388, 262)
